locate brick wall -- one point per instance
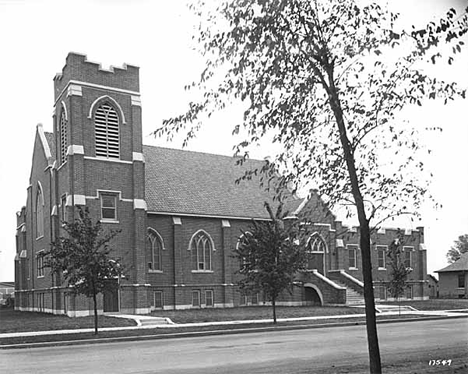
(179, 275)
(80, 69)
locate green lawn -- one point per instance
(15, 321)
(433, 304)
(251, 313)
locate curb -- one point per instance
(230, 331)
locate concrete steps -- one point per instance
(154, 321)
(394, 308)
(352, 297)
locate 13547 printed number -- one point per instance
(440, 362)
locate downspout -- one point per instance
(31, 262)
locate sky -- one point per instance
(37, 35)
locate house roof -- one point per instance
(198, 183)
(459, 265)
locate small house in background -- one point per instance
(453, 279)
(7, 290)
(433, 286)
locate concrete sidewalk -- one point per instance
(149, 322)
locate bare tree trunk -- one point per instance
(273, 303)
(371, 322)
(95, 312)
(371, 325)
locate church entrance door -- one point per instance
(315, 261)
(316, 250)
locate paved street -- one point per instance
(403, 345)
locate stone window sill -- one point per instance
(202, 271)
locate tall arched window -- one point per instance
(63, 136)
(156, 247)
(201, 246)
(106, 121)
(39, 213)
(316, 244)
(247, 258)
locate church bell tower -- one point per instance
(100, 163)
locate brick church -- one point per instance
(181, 213)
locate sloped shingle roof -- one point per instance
(197, 183)
(459, 265)
(185, 182)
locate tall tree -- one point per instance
(459, 247)
(83, 258)
(326, 79)
(270, 256)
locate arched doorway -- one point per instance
(312, 295)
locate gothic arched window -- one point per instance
(156, 248)
(106, 121)
(63, 136)
(247, 258)
(316, 244)
(39, 213)
(201, 246)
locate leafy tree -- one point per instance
(270, 256)
(326, 79)
(459, 247)
(398, 271)
(83, 258)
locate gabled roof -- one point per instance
(195, 183)
(459, 265)
(51, 141)
(46, 143)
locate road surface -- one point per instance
(405, 348)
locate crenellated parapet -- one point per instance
(78, 69)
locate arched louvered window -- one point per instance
(107, 134)
(156, 247)
(201, 246)
(316, 244)
(39, 214)
(63, 137)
